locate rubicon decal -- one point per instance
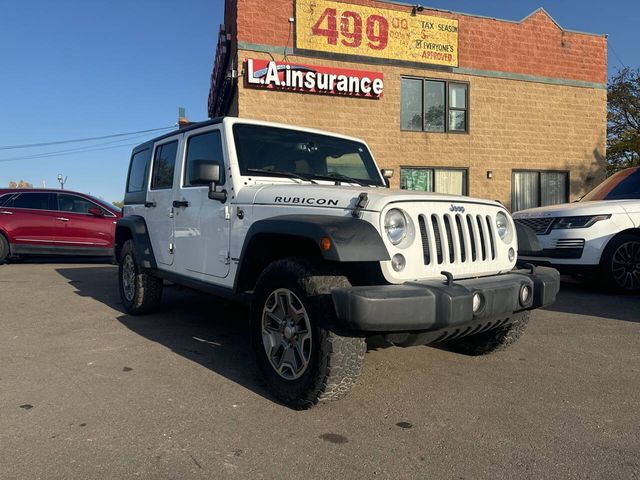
(313, 79)
(306, 201)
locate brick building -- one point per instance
(458, 103)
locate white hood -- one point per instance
(342, 196)
(577, 208)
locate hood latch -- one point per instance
(361, 204)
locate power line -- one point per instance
(57, 154)
(71, 150)
(615, 54)
(88, 139)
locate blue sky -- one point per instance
(76, 69)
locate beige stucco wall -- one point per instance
(513, 124)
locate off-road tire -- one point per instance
(491, 340)
(335, 361)
(4, 248)
(608, 278)
(146, 293)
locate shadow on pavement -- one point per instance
(199, 327)
(583, 298)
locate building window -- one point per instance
(538, 189)
(433, 106)
(440, 180)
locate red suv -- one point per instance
(55, 222)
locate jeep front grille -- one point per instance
(456, 239)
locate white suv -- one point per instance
(597, 236)
(300, 224)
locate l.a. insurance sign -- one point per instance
(297, 77)
(347, 29)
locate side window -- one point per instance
(5, 200)
(164, 165)
(206, 146)
(34, 201)
(138, 171)
(75, 204)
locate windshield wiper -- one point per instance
(345, 178)
(284, 173)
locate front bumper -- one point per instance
(437, 307)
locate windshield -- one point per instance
(106, 204)
(307, 155)
(621, 186)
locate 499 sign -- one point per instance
(342, 28)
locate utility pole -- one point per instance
(62, 181)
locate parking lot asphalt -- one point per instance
(87, 391)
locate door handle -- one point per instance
(4, 212)
(180, 203)
(62, 219)
(149, 204)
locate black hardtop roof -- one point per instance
(193, 126)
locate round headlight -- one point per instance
(395, 224)
(504, 228)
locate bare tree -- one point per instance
(20, 184)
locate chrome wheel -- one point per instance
(286, 334)
(128, 278)
(625, 265)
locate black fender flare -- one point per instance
(352, 239)
(139, 233)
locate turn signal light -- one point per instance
(325, 244)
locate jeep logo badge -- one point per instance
(456, 209)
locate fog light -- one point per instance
(512, 254)
(478, 302)
(398, 262)
(525, 295)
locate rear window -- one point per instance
(139, 170)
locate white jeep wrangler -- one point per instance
(300, 224)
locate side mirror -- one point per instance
(204, 172)
(387, 173)
(207, 172)
(95, 211)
